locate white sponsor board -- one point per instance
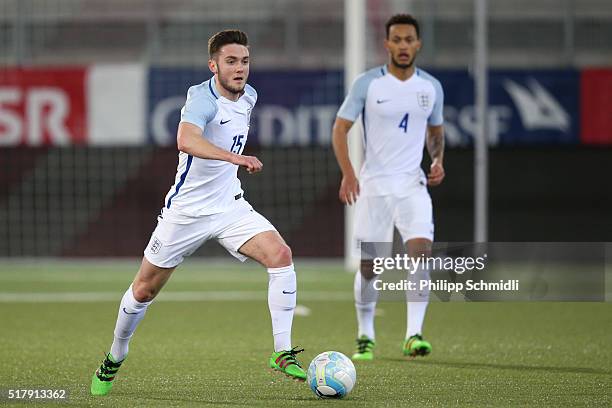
(116, 97)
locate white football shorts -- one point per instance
(172, 241)
(375, 217)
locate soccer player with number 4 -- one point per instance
(206, 202)
(401, 110)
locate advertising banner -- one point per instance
(40, 107)
(525, 107)
(117, 105)
(297, 108)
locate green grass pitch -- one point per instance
(206, 341)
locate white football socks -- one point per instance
(282, 297)
(365, 304)
(130, 314)
(417, 304)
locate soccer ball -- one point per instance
(331, 375)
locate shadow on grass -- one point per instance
(196, 401)
(518, 367)
(259, 401)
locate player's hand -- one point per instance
(349, 189)
(436, 174)
(250, 163)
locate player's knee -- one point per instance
(284, 256)
(419, 247)
(366, 268)
(280, 256)
(143, 292)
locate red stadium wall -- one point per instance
(596, 106)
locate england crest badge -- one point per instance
(423, 100)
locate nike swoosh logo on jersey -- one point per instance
(223, 123)
(382, 100)
(288, 293)
(126, 312)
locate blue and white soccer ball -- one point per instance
(331, 375)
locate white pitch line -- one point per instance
(210, 296)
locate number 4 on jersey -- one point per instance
(404, 123)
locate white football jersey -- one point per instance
(203, 186)
(395, 117)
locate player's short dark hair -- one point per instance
(403, 19)
(226, 37)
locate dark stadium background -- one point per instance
(97, 191)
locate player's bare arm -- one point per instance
(189, 140)
(435, 147)
(349, 187)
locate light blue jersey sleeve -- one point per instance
(252, 93)
(200, 106)
(436, 118)
(355, 100)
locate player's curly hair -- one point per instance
(226, 37)
(403, 19)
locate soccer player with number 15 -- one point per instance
(206, 202)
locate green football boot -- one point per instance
(365, 349)
(103, 378)
(416, 346)
(286, 362)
